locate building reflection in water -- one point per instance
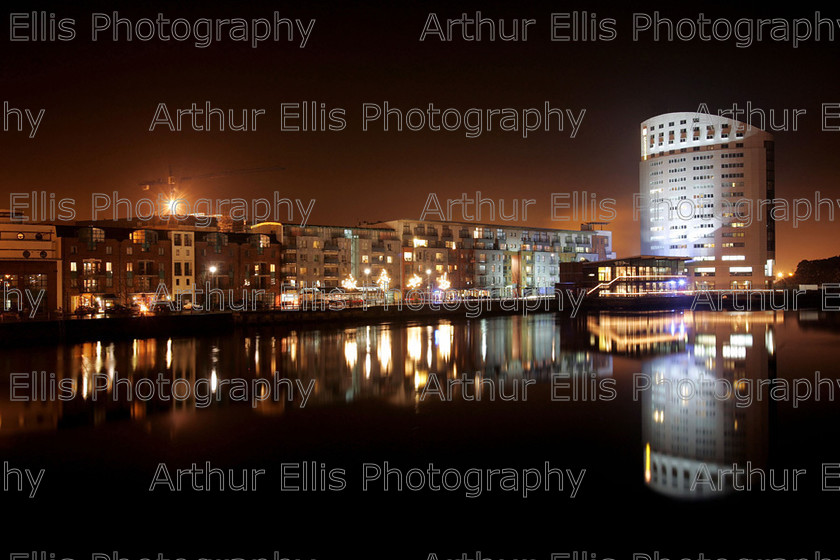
(702, 411)
(385, 362)
(394, 363)
(683, 432)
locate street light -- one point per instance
(383, 281)
(429, 282)
(367, 282)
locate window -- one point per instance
(740, 270)
(178, 241)
(91, 266)
(37, 281)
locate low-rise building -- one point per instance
(629, 276)
(30, 259)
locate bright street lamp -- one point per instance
(212, 270)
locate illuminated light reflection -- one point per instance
(443, 340)
(415, 343)
(351, 353)
(383, 351)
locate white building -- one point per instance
(706, 189)
(183, 262)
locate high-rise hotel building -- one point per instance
(707, 184)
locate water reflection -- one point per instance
(392, 363)
(702, 414)
(683, 363)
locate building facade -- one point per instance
(490, 259)
(629, 276)
(324, 258)
(706, 189)
(108, 263)
(30, 262)
(101, 264)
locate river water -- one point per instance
(512, 436)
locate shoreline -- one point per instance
(74, 329)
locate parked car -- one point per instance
(119, 310)
(161, 309)
(84, 310)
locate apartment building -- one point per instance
(489, 259)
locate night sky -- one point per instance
(100, 99)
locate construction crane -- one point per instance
(172, 181)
